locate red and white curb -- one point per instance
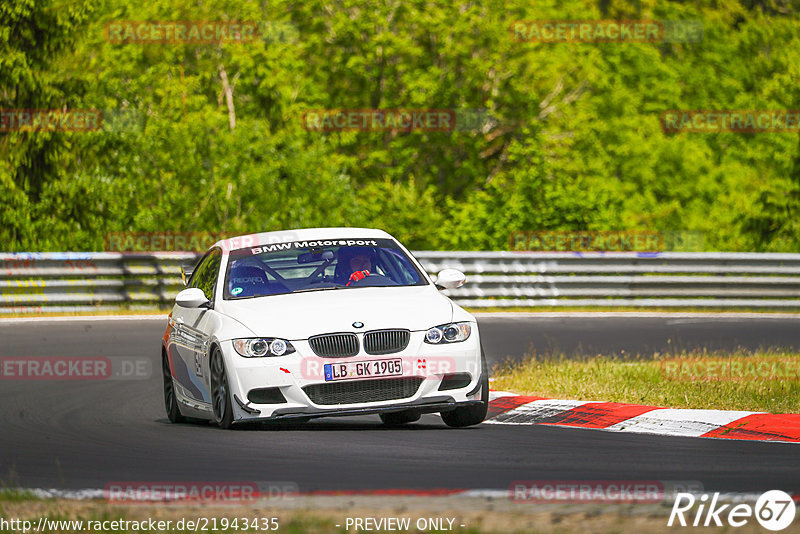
(512, 409)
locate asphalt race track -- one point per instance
(511, 337)
(86, 434)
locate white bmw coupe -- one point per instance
(320, 322)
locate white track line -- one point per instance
(532, 412)
(679, 422)
(497, 394)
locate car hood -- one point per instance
(301, 315)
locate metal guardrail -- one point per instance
(623, 279)
(76, 282)
(92, 281)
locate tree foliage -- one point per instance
(210, 137)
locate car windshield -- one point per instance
(299, 266)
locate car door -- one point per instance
(192, 331)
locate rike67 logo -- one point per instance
(774, 510)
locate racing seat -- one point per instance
(249, 281)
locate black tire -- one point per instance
(170, 401)
(220, 391)
(471, 415)
(400, 418)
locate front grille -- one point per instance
(386, 341)
(357, 391)
(334, 345)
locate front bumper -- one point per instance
(430, 405)
(291, 373)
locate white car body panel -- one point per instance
(291, 316)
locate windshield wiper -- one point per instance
(317, 289)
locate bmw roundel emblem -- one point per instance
(358, 324)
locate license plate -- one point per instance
(370, 369)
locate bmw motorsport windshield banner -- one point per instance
(314, 244)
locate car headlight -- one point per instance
(262, 347)
(448, 333)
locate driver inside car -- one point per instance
(360, 266)
(355, 264)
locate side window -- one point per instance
(197, 273)
(205, 277)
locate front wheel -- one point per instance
(471, 415)
(220, 391)
(170, 402)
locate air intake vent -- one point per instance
(358, 391)
(334, 345)
(386, 341)
(455, 381)
(266, 396)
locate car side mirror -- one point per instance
(450, 279)
(192, 297)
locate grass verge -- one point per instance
(760, 381)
